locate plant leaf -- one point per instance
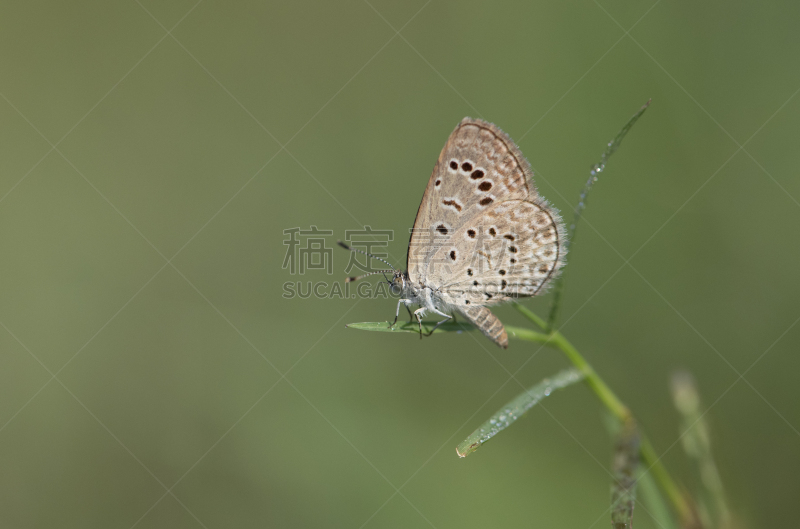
(512, 411)
(383, 326)
(520, 333)
(651, 497)
(617, 141)
(623, 486)
(597, 168)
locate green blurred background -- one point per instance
(125, 147)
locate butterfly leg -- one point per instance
(447, 317)
(419, 313)
(410, 316)
(397, 312)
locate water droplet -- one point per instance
(547, 391)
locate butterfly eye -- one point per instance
(466, 166)
(471, 233)
(476, 174)
(453, 165)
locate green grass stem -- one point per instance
(618, 409)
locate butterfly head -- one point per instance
(400, 282)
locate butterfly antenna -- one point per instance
(356, 278)
(343, 245)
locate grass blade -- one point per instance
(520, 333)
(713, 507)
(651, 497)
(623, 487)
(512, 411)
(597, 168)
(617, 141)
(646, 486)
(382, 326)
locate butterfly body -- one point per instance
(428, 296)
(483, 235)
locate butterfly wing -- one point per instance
(483, 234)
(488, 323)
(518, 251)
(482, 221)
(478, 165)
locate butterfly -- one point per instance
(482, 236)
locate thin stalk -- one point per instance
(593, 380)
(666, 483)
(528, 313)
(618, 409)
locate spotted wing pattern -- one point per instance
(478, 166)
(515, 253)
(483, 235)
